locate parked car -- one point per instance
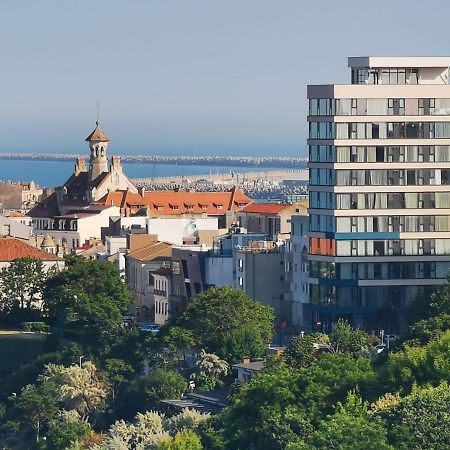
(151, 328)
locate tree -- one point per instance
(420, 365)
(37, 405)
(146, 431)
(302, 351)
(346, 339)
(67, 429)
(187, 419)
(91, 292)
(21, 286)
(419, 420)
(117, 372)
(430, 314)
(349, 428)
(183, 440)
(146, 392)
(228, 323)
(151, 429)
(82, 389)
(209, 370)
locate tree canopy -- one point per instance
(228, 323)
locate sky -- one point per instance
(197, 77)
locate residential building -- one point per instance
(379, 162)
(271, 219)
(180, 203)
(78, 227)
(176, 230)
(162, 290)
(188, 275)
(12, 249)
(19, 195)
(260, 273)
(13, 228)
(298, 273)
(140, 264)
(220, 262)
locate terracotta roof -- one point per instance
(123, 199)
(171, 203)
(16, 214)
(151, 252)
(11, 249)
(98, 135)
(265, 208)
(183, 202)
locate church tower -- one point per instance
(98, 145)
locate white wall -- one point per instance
(171, 230)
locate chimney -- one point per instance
(80, 166)
(116, 164)
(246, 360)
(141, 191)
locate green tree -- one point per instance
(67, 429)
(421, 420)
(91, 292)
(183, 440)
(228, 323)
(37, 405)
(430, 315)
(346, 339)
(117, 373)
(420, 364)
(349, 428)
(22, 286)
(302, 351)
(146, 392)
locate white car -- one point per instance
(152, 328)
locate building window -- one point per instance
(6, 230)
(241, 282)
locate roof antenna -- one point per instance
(98, 112)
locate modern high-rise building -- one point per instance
(379, 188)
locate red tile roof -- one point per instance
(11, 249)
(265, 208)
(98, 135)
(171, 203)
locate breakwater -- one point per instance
(225, 161)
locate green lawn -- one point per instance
(17, 349)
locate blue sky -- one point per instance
(189, 76)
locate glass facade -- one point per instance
(379, 229)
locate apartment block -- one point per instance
(379, 162)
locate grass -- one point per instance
(17, 349)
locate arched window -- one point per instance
(96, 151)
(103, 151)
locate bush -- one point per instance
(35, 327)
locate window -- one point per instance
(176, 269)
(358, 76)
(6, 230)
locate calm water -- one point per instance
(55, 173)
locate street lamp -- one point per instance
(81, 357)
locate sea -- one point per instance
(55, 173)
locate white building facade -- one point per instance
(379, 162)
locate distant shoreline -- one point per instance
(243, 161)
